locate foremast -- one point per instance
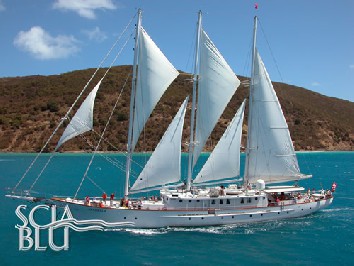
(195, 85)
(132, 103)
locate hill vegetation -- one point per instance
(31, 107)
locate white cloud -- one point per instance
(85, 8)
(44, 46)
(2, 7)
(315, 84)
(95, 34)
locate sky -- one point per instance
(304, 43)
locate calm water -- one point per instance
(324, 238)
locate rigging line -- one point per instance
(99, 142)
(271, 51)
(247, 61)
(115, 163)
(93, 182)
(72, 106)
(40, 174)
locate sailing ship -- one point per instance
(270, 155)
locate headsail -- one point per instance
(155, 74)
(217, 83)
(271, 154)
(224, 161)
(82, 120)
(164, 165)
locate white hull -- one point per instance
(187, 218)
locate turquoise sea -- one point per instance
(324, 238)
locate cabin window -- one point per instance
(180, 200)
(227, 201)
(249, 200)
(213, 201)
(189, 201)
(221, 201)
(242, 201)
(250, 215)
(255, 198)
(125, 218)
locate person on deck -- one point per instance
(104, 197)
(87, 200)
(111, 199)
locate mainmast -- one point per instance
(195, 84)
(132, 103)
(250, 101)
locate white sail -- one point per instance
(217, 83)
(82, 120)
(224, 161)
(155, 74)
(271, 154)
(164, 165)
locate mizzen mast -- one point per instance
(195, 85)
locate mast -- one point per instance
(132, 103)
(195, 84)
(250, 100)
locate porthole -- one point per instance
(250, 215)
(261, 214)
(136, 218)
(180, 200)
(233, 217)
(256, 198)
(278, 212)
(189, 201)
(125, 218)
(189, 218)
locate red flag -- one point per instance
(256, 5)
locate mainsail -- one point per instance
(271, 154)
(155, 74)
(82, 120)
(152, 74)
(224, 161)
(217, 83)
(164, 165)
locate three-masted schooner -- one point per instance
(270, 155)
